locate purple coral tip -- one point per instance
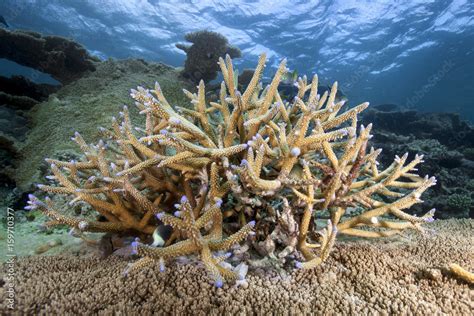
(37, 202)
(134, 248)
(245, 146)
(184, 199)
(162, 268)
(218, 202)
(160, 215)
(298, 264)
(219, 283)
(429, 219)
(177, 213)
(252, 223)
(164, 132)
(31, 196)
(244, 162)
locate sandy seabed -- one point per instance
(399, 275)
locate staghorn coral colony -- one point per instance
(251, 168)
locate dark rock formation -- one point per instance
(204, 53)
(21, 86)
(20, 93)
(63, 59)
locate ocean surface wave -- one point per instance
(417, 54)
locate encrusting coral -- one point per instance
(250, 161)
(360, 278)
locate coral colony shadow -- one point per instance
(251, 168)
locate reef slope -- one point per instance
(84, 105)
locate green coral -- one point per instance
(470, 185)
(459, 201)
(469, 153)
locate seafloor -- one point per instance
(403, 275)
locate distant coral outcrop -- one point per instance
(64, 59)
(202, 56)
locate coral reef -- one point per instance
(445, 140)
(447, 128)
(63, 59)
(459, 201)
(408, 275)
(17, 96)
(202, 56)
(44, 130)
(253, 159)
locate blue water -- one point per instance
(417, 54)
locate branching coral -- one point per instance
(251, 159)
(184, 221)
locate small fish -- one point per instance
(161, 235)
(3, 21)
(290, 77)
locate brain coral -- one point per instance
(250, 168)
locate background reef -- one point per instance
(446, 139)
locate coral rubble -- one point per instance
(251, 160)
